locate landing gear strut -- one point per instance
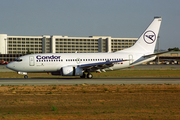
(83, 76)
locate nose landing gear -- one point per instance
(26, 77)
(23, 73)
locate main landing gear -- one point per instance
(89, 75)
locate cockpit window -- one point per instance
(18, 60)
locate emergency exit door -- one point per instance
(31, 61)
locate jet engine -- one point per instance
(71, 71)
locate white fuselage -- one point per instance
(52, 62)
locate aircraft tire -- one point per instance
(26, 77)
(89, 75)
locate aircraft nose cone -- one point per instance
(9, 65)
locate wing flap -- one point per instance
(99, 65)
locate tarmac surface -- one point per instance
(93, 81)
(99, 81)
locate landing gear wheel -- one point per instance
(26, 77)
(89, 75)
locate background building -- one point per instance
(62, 44)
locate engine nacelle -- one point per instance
(71, 71)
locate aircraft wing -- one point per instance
(99, 65)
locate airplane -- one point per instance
(82, 64)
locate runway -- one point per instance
(94, 81)
(99, 81)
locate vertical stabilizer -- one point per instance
(147, 41)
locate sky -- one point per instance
(83, 18)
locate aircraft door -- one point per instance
(130, 59)
(31, 61)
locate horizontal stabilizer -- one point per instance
(150, 55)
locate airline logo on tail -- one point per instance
(149, 37)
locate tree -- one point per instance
(174, 49)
